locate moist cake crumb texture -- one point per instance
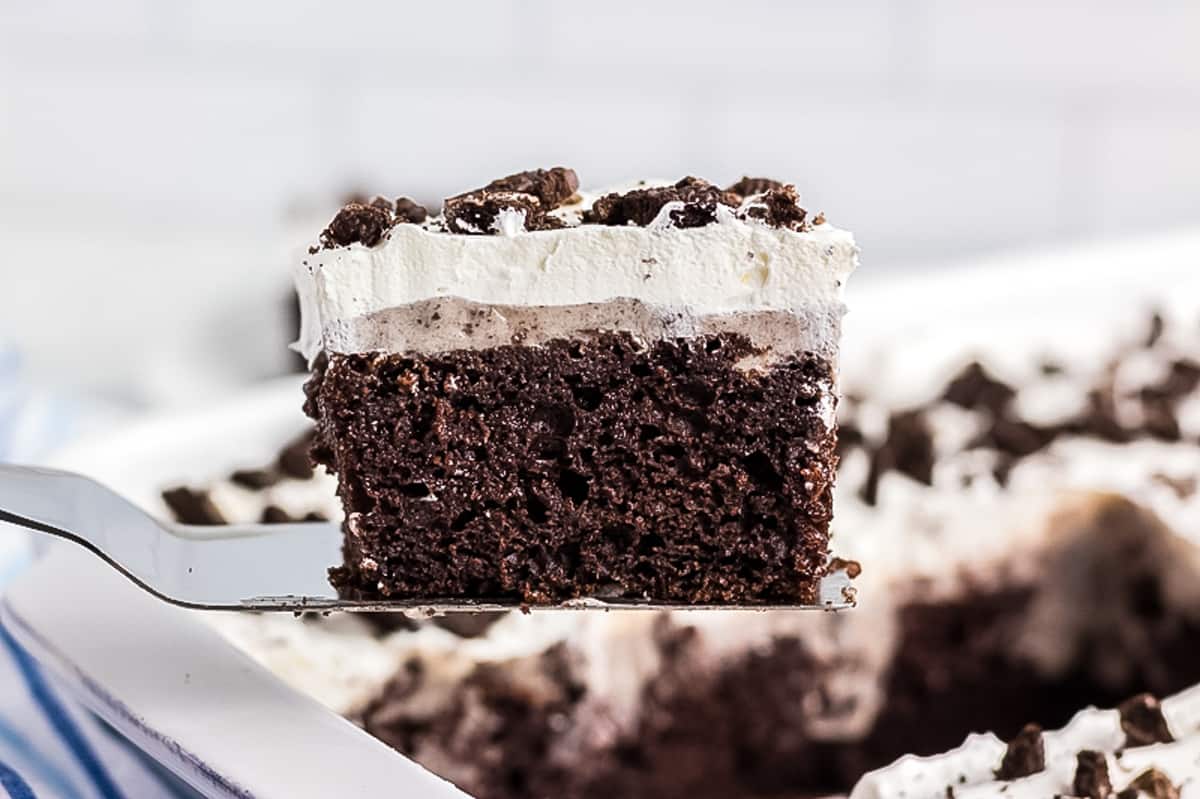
(601, 467)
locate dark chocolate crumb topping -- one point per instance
(779, 208)
(273, 514)
(1152, 783)
(907, 449)
(294, 460)
(532, 193)
(468, 625)
(537, 192)
(1091, 776)
(973, 387)
(254, 479)
(552, 187)
(357, 222)
(192, 506)
(1157, 326)
(641, 206)
(410, 211)
(477, 213)
(748, 186)
(1026, 754)
(1152, 412)
(1143, 722)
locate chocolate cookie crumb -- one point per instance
(192, 506)
(477, 213)
(410, 211)
(382, 623)
(468, 625)
(1091, 776)
(254, 479)
(273, 514)
(357, 222)
(552, 187)
(974, 388)
(1152, 783)
(294, 460)
(778, 208)
(1143, 722)
(640, 207)
(1026, 754)
(748, 186)
(1015, 438)
(907, 449)
(1157, 327)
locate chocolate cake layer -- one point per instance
(598, 467)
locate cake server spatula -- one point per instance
(279, 567)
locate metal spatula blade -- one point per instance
(279, 567)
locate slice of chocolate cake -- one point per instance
(545, 395)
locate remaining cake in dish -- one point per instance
(545, 395)
(1031, 528)
(1141, 748)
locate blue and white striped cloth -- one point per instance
(51, 747)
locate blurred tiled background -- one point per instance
(177, 139)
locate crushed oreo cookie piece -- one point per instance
(383, 204)
(1016, 438)
(1100, 419)
(698, 198)
(849, 437)
(552, 187)
(294, 459)
(531, 194)
(192, 506)
(382, 623)
(357, 222)
(1143, 722)
(273, 514)
(748, 186)
(1026, 754)
(908, 449)
(1159, 420)
(1182, 378)
(1152, 783)
(254, 479)
(778, 208)
(1158, 326)
(468, 625)
(478, 213)
(410, 211)
(1091, 776)
(975, 389)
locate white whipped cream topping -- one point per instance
(969, 770)
(729, 266)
